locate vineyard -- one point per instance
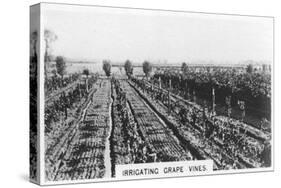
(230, 143)
(93, 124)
(253, 90)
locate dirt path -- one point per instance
(107, 157)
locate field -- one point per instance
(94, 123)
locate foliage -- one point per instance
(184, 67)
(250, 68)
(147, 68)
(253, 85)
(107, 67)
(60, 65)
(128, 67)
(86, 72)
(49, 37)
(33, 42)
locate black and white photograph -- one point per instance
(122, 87)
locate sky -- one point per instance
(96, 33)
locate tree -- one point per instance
(106, 67)
(128, 68)
(263, 67)
(250, 68)
(147, 68)
(60, 65)
(33, 54)
(54, 72)
(49, 37)
(86, 72)
(183, 67)
(33, 43)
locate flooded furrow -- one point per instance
(88, 154)
(158, 135)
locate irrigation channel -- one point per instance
(121, 124)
